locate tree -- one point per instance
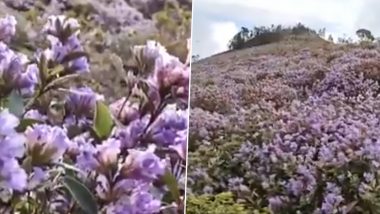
(365, 35)
(237, 42)
(331, 39)
(322, 32)
(244, 33)
(195, 58)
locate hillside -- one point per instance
(286, 127)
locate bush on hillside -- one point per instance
(265, 35)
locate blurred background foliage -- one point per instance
(109, 28)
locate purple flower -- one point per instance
(125, 111)
(38, 177)
(144, 202)
(8, 122)
(166, 128)
(12, 176)
(144, 165)
(20, 76)
(80, 65)
(129, 135)
(35, 115)
(331, 202)
(7, 28)
(276, 203)
(86, 159)
(103, 158)
(168, 70)
(59, 50)
(139, 202)
(180, 144)
(46, 144)
(6, 56)
(81, 101)
(64, 22)
(12, 145)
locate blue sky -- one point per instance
(216, 21)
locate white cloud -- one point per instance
(222, 32)
(338, 16)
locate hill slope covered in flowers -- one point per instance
(289, 127)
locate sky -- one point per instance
(215, 22)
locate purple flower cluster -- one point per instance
(123, 168)
(63, 35)
(16, 71)
(12, 145)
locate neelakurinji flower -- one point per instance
(167, 126)
(46, 144)
(125, 110)
(168, 70)
(129, 136)
(7, 28)
(37, 178)
(64, 22)
(35, 115)
(180, 144)
(139, 201)
(12, 144)
(81, 101)
(12, 175)
(144, 165)
(16, 72)
(60, 49)
(102, 158)
(21, 76)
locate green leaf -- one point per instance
(81, 195)
(103, 122)
(171, 183)
(24, 123)
(15, 104)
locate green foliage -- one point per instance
(81, 194)
(15, 104)
(173, 23)
(217, 159)
(25, 123)
(103, 122)
(221, 203)
(365, 35)
(174, 26)
(172, 185)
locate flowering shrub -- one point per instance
(317, 152)
(65, 150)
